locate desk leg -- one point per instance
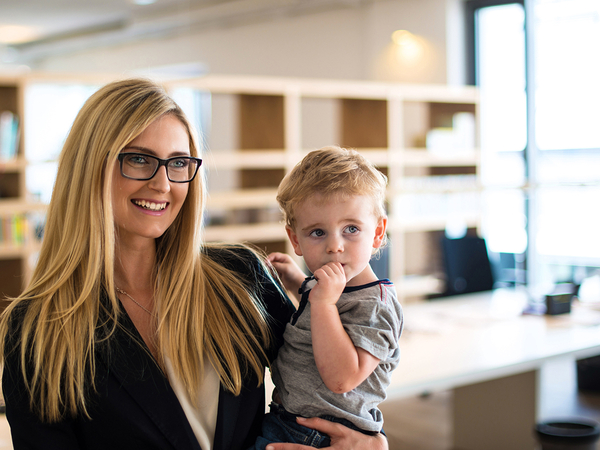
(498, 414)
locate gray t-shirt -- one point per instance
(372, 317)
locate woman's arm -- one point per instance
(342, 438)
(27, 431)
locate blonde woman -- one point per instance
(131, 333)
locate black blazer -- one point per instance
(134, 406)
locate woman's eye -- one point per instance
(182, 163)
(138, 160)
(317, 233)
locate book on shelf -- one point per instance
(9, 135)
(13, 229)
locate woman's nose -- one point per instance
(160, 181)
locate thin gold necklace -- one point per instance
(121, 291)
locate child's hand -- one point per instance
(291, 275)
(331, 281)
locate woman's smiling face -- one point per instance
(146, 209)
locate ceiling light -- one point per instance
(16, 34)
(402, 37)
(143, 2)
(409, 47)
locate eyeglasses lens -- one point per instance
(144, 167)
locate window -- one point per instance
(540, 147)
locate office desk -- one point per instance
(483, 348)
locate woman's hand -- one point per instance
(342, 438)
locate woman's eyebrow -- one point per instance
(140, 149)
(152, 152)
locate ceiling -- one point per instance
(31, 30)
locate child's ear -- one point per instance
(294, 240)
(380, 232)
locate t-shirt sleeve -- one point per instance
(373, 325)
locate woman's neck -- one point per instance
(135, 267)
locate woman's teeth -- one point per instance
(150, 205)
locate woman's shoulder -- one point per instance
(14, 314)
(237, 257)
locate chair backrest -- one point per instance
(467, 265)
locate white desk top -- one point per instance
(467, 339)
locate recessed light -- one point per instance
(143, 2)
(16, 34)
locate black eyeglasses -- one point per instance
(140, 166)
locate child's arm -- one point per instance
(291, 275)
(341, 365)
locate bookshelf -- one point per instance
(15, 239)
(269, 124)
(255, 129)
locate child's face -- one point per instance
(338, 230)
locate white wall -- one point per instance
(349, 43)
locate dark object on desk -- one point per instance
(558, 303)
(467, 265)
(588, 374)
(577, 434)
(559, 300)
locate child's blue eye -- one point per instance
(352, 229)
(317, 233)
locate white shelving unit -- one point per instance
(386, 122)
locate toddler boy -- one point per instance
(342, 343)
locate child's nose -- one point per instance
(335, 245)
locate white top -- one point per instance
(203, 419)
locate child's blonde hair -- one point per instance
(331, 171)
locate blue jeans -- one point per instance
(281, 426)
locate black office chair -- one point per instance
(467, 265)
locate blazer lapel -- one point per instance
(227, 418)
(131, 363)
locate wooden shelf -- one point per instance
(425, 158)
(14, 256)
(15, 206)
(12, 165)
(246, 198)
(246, 159)
(254, 232)
(432, 223)
(8, 251)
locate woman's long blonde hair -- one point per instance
(202, 309)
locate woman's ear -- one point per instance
(380, 232)
(294, 240)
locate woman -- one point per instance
(127, 336)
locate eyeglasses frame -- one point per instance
(161, 162)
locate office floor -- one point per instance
(424, 423)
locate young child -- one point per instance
(342, 343)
